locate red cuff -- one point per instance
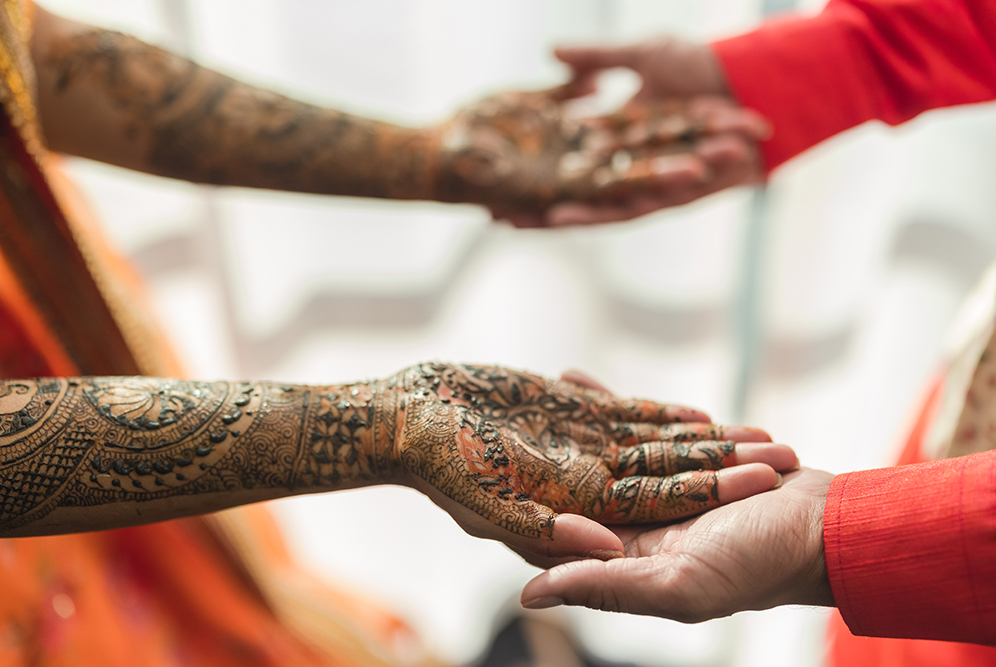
(911, 550)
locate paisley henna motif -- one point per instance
(88, 442)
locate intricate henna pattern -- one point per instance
(516, 448)
(202, 126)
(523, 151)
(96, 441)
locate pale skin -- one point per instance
(758, 553)
(511, 455)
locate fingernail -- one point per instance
(544, 602)
(778, 481)
(665, 164)
(604, 554)
(746, 435)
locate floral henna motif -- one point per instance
(340, 447)
(514, 150)
(518, 448)
(92, 442)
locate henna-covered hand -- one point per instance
(108, 96)
(522, 152)
(518, 450)
(503, 451)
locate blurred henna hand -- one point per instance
(524, 156)
(535, 462)
(673, 71)
(758, 553)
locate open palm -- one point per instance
(764, 551)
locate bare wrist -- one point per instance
(713, 74)
(818, 592)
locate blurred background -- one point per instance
(815, 307)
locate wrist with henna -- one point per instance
(92, 453)
(497, 447)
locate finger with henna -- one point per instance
(651, 499)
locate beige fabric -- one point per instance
(966, 418)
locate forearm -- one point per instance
(113, 98)
(96, 453)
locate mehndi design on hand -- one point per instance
(518, 448)
(522, 150)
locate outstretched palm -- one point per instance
(758, 553)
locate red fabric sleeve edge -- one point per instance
(831, 540)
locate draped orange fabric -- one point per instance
(213, 591)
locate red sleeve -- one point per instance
(911, 550)
(861, 60)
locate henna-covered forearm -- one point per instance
(91, 453)
(514, 448)
(111, 97)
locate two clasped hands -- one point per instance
(633, 506)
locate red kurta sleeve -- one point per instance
(911, 550)
(861, 60)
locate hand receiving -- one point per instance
(757, 553)
(505, 452)
(520, 153)
(671, 69)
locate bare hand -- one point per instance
(760, 552)
(505, 452)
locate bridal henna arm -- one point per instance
(111, 97)
(92, 453)
(513, 448)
